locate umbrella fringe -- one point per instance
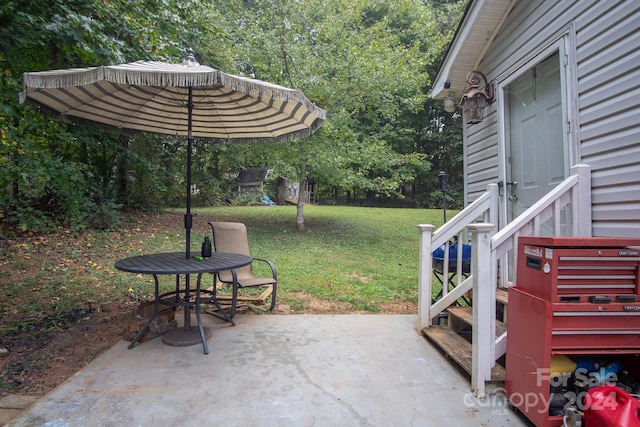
(128, 74)
(63, 78)
(198, 76)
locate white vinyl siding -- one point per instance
(608, 52)
(607, 43)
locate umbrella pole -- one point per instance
(188, 218)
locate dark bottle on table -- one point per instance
(206, 248)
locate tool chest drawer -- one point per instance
(609, 317)
(567, 269)
(576, 327)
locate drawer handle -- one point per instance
(599, 300)
(596, 332)
(534, 262)
(628, 311)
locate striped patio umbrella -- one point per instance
(186, 99)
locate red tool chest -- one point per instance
(572, 296)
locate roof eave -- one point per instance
(475, 33)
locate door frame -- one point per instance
(563, 42)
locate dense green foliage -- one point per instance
(368, 63)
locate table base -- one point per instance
(181, 337)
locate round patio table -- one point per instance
(176, 263)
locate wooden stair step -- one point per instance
(458, 349)
(502, 296)
(465, 314)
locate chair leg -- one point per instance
(234, 295)
(273, 296)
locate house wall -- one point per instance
(605, 130)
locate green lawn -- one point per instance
(361, 258)
(349, 260)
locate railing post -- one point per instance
(494, 203)
(581, 203)
(484, 307)
(425, 276)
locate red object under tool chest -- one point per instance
(572, 296)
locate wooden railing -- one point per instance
(492, 251)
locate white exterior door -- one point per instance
(536, 160)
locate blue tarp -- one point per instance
(267, 201)
(453, 253)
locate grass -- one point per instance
(349, 259)
(361, 257)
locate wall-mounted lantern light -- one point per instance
(475, 100)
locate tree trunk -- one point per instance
(281, 187)
(300, 216)
(123, 170)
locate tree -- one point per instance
(367, 62)
(364, 63)
(61, 172)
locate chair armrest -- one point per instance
(274, 274)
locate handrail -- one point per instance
(572, 195)
(463, 218)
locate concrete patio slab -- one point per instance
(275, 370)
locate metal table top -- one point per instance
(176, 263)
